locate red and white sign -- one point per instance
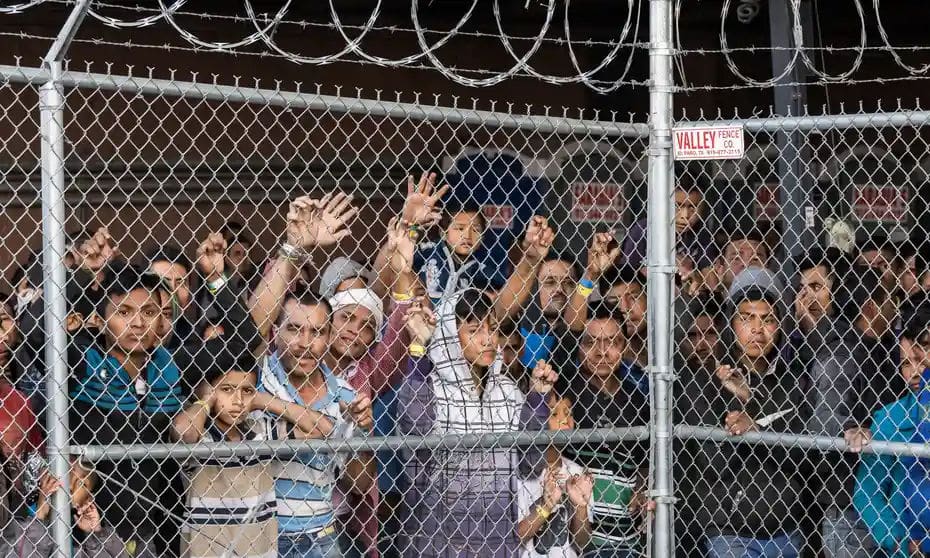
(717, 142)
(597, 202)
(887, 204)
(767, 206)
(498, 216)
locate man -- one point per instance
(742, 249)
(170, 264)
(819, 271)
(344, 274)
(604, 393)
(238, 262)
(543, 320)
(875, 251)
(295, 371)
(850, 372)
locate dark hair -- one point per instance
(304, 296)
(620, 275)
(705, 305)
(566, 257)
(867, 284)
(915, 316)
(81, 298)
(922, 259)
(170, 253)
(121, 278)
(752, 234)
(473, 306)
(454, 207)
(600, 310)
(234, 231)
(217, 357)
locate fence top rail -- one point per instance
(331, 103)
(826, 122)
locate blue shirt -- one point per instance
(105, 384)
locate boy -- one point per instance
(92, 537)
(231, 504)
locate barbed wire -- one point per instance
(266, 31)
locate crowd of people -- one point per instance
(425, 340)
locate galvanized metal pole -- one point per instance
(51, 105)
(54, 276)
(661, 265)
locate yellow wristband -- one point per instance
(542, 513)
(401, 297)
(584, 291)
(204, 404)
(417, 350)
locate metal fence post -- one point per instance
(661, 265)
(51, 107)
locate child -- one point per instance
(450, 266)
(231, 501)
(32, 536)
(554, 506)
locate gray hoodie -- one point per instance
(32, 538)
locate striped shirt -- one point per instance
(304, 483)
(231, 501)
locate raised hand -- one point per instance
(211, 257)
(552, 489)
(319, 223)
(580, 489)
(422, 197)
(98, 250)
(360, 412)
(733, 380)
(401, 246)
(48, 485)
(538, 239)
(600, 255)
(88, 518)
(420, 322)
(543, 377)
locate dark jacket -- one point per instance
(751, 490)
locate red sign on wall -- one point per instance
(498, 216)
(887, 204)
(596, 201)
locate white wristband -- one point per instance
(217, 285)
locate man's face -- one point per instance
(755, 326)
(232, 397)
(9, 334)
(556, 283)
(464, 234)
(131, 321)
(601, 348)
(302, 337)
(237, 257)
(479, 342)
(738, 255)
(908, 278)
(175, 276)
(353, 331)
(701, 346)
(511, 350)
(915, 358)
(876, 259)
(630, 298)
(815, 294)
(880, 314)
(687, 210)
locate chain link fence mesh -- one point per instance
(285, 336)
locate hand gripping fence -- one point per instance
(274, 322)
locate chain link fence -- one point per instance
(272, 322)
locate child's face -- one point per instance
(464, 233)
(232, 397)
(687, 209)
(914, 359)
(479, 342)
(81, 485)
